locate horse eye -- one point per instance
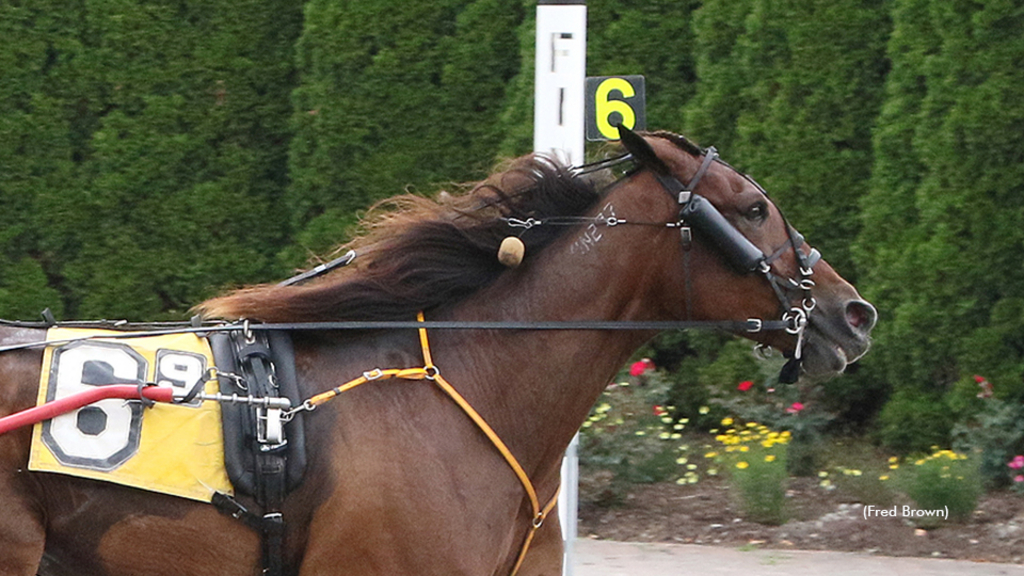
(758, 211)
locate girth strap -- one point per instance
(268, 447)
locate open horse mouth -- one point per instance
(837, 336)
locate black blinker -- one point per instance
(705, 219)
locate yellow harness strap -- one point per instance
(539, 514)
(430, 372)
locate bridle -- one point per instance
(697, 213)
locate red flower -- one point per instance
(659, 411)
(744, 386)
(985, 385)
(795, 407)
(639, 368)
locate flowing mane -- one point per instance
(416, 253)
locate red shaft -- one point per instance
(76, 401)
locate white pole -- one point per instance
(560, 77)
(558, 130)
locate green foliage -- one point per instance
(913, 422)
(755, 458)
(394, 94)
(633, 438)
(992, 437)
(942, 219)
(944, 480)
(144, 147)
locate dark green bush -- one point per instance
(913, 422)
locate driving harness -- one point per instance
(255, 366)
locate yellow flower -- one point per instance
(744, 448)
(703, 409)
(769, 458)
(883, 477)
(893, 460)
(742, 465)
(711, 454)
(726, 421)
(681, 460)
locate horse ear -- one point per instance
(641, 150)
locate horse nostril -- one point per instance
(861, 316)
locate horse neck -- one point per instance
(536, 387)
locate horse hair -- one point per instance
(416, 253)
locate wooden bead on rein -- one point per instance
(511, 251)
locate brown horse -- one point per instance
(400, 480)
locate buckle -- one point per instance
(754, 324)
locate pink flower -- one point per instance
(795, 407)
(979, 379)
(744, 386)
(1018, 478)
(1017, 463)
(641, 367)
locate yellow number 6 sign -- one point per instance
(614, 100)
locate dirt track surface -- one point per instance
(607, 558)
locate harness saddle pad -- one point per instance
(171, 449)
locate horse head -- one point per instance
(737, 257)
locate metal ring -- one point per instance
(431, 371)
(807, 284)
(798, 318)
(809, 303)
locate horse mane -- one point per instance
(415, 253)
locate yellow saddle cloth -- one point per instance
(171, 449)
